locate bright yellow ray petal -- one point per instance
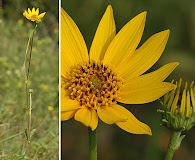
(73, 47)
(67, 115)
(126, 41)
(158, 75)
(104, 35)
(143, 84)
(133, 125)
(41, 15)
(26, 14)
(88, 117)
(37, 11)
(68, 104)
(145, 57)
(111, 114)
(140, 93)
(29, 11)
(33, 11)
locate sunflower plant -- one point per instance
(92, 82)
(33, 16)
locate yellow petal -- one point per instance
(104, 35)
(147, 88)
(188, 105)
(33, 11)
(141, 93)
(88, 117)
(37, 11)
(133, 89)
(192, 97)
(41, 15)
(126, 41)
(183, 102)
(68, 107)
(158, 75)
(25, 14)
(73, 47)
(145, 57)
(68, 104)
(133, 125)
(67, 115)
(29, 11)
(111, 114)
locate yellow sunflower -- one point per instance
(91, 85)
(34, 15)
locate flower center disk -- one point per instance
(33, 17)
(93, 85)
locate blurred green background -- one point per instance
(114, 143)
(14, 32)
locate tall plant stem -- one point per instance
(28, 92)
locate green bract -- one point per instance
(178, 113)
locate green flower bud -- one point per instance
(178, 112)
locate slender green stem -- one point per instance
(30, 44)
(30, 112)
(30, 56)
(28, 93)
(92, 144)
(29, 122)
(174, 144)
(27, 70)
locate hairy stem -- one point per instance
(174, 144)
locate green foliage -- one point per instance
(43, 80)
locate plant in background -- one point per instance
(178, 114)
(91, 85)
(35, 17)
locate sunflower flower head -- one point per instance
(34, 15)
(179, 107)
(92, 83)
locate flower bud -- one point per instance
(178, 112)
